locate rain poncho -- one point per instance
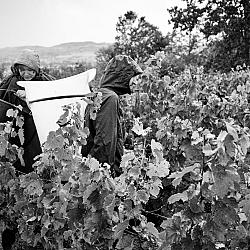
(8, 88)
(105, 142)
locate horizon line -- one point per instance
(50, 46)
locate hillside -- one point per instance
(62, 53)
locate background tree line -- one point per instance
(210, 33)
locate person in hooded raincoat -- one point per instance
(25, 68)
(105, 142)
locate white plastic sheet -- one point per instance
(47, 112)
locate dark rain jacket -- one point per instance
(31, 145)
(105, 142)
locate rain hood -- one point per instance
(118, 73)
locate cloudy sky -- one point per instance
(51, 22)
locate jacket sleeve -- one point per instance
(105, 139)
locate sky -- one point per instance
(52, 22)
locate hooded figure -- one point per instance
(26, 67)
(105, 142)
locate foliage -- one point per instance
(229, 20)
(140, 40)
(73, 202)
(137, 38)
(185, 173)
(202, 122)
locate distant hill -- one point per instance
(62, 53)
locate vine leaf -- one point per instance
(154, 188)
(142, 196)
(64, 154)
(84, 133)
(230, 145)
(11, 113)
(47, 201)
(138, 128)
(152, 229)
(195, 206)
(6, 174)
(54, 140)
(109, 204)
(208, 151)
(119, 230)
(8, 127)
(224, 180)
(160, 169)
(232, 131)
(33, 218)
(196, 138)
(3, 145)
(157, 150)
(21, 135)
(178, 175)
(67, 234)
(245, 205)
(89, 190)
(64, 118)
(20, 152)
(179, 196)
(32, 187)
(135, 171)
(126, 242)
(20, 121)
(126, 158)
(221, 137)
(93, 164)
(244, 143)
(172, 229)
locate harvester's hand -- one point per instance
(21, 94)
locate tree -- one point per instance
(137, 37)
(228, 20)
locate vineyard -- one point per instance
(185, 172)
